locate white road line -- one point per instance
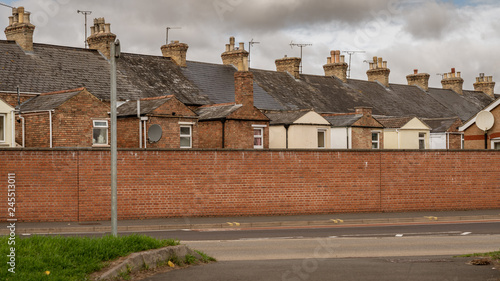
(399, 235)
(466, 233)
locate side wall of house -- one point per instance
(210, 133)
(73, 120)
(73, 185)
(240, 134)
(362, 138)
(37, 130)
(474, 137)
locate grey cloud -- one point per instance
(432, 20)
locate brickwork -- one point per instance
(362, 138)
(474, 137)
(37, 130)
(177, 52)
(11, 98)
(73, 185)
(73, 120)
(210, 134)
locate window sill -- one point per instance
(101, 145)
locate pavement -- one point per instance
(255, 222)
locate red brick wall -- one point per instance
(37, 130)
(73, 185)
(362, 138)
(210, 134)
(11, 99)
(73, 120)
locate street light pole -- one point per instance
(114, 54)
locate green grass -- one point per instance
(70, 258)
(493, 255)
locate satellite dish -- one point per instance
(154, 133)
(485, 120)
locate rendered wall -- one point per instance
(74, 185)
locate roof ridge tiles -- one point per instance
(63, 91)
(158, 98)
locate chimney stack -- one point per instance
(336, 66)
(290, 65)
(419, 79)
(237, 57)
(379, 72)
(176, 52)
(101, 37)
(485, 84)
(243, 84)
(453, 81)
(363, 110)
(20, 29)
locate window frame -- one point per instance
(421, 138)
(321, 131)
(190, 136)
(3, 123)
(94, 126)
(261, 136)
(375, 141)
(494, 142)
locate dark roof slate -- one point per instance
(440, 125)
(147, 106)
(53, 68)
(343, 120)
(47, 101)
(216, 82)
(284, 117)
(216, 112)
(392, 121)
(464, 106)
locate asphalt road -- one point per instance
(405, 252)
(455, 229)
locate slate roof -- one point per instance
(54, 68)
(147, 106)
(393, 122)
(440, 125)
(216, 112)
(47, 101)
(216, 82)
(284, 117)
(343, 120)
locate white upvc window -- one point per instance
(375, 140)
(321, 138)
(495, 144)
(186, 136)
(100, 132)
(421, 140)
(2, 127)
(258, 138)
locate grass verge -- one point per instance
(492, 255)
(70, 258)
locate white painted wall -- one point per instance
(340, 138)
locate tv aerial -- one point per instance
(301, 46)
(168, 29)
(85, 13)
(350, 53)
(250, 45)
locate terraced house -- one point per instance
(205, 105)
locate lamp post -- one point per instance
(114, 54)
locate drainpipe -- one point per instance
(399, 141)
(286, 128)
(23, 130)
(50, 126)
(223, 121)
(140, 122)
(13, 130)
(145, 135)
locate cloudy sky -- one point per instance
(430, 35)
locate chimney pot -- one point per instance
(485, 84)
(453, 70)
(342, 59)
(20, 29)
(379, 72)
(415, 71)
(242, 46)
